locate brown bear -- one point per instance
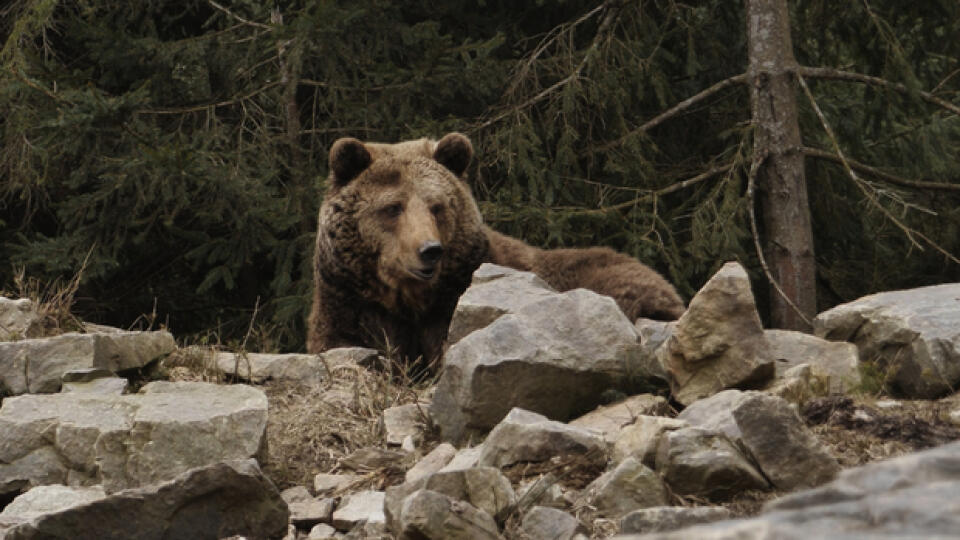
(399, 236)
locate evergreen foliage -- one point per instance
(181, 147)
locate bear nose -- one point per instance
(430, 252)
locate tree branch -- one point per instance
(678, 108)
(910, 233)
(239, 18)
(877, 173)
(836, 74)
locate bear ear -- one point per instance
(454, 152)
(348, 158)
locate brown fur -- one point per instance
(365, 293)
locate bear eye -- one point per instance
(392, 210)
(436, 209)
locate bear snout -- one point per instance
(430, 253)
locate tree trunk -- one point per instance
(781, 182)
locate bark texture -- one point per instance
(782, 185)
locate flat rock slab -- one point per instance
(357, 508)
(912, 335)
(216, 501)
(256, 367)
(912, 496)
(528, 436)
(718, 342)
(669, 518)
(404, 421)
(559, 353)
(38, 365)
(437, 459)
(839, 360)
(610, 420)
(130, 440)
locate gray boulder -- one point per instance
(912, 335)
(362, 507)
(216, 501)
(130, 440)
(428, 515)
(718, 342)
(559, 354)
(404, 421)
(770, 432)
(695, 461)
(641, 438)
(37, 365)
(914, 496)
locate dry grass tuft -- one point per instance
(53, 301)
(312, 430)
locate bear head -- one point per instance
(398, 226)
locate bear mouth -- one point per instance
(424, 274)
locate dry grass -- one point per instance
(53, 301)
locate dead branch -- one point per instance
(878, 174)
(836, 74)
(758, 159)
(197, 108)
(612, 8)
(863, 186)
(678, 108)
(237, 17)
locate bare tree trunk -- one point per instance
(781, 181)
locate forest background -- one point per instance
(176, 151)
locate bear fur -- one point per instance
(399, 236)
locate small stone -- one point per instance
(669, 518)
(405, 421)
(428, 515)
(438, 458)
(542, 523)
(531, 437)
(887, 404)
(466, 458)
(610, 420)
(641, 438)
(631, 485)
(322, 531)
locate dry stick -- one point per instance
(239, 18)
(829, 73)
(872, 171)
(758, 159)
(679, 107)
(601, 33)
(910, 233)
(197, 108)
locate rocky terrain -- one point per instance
(554, 417)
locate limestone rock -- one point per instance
(437, 459)
(428, 515)
(542, 523)
(404, 420)
(528, 436)
(19, 319)
(483, 487)
(718, 342)
(628, 487)
(93, 380)
(610, 420)
(669, 518)
(37, 365)
(305, 509)
(559, 353)
(216, 501)
(914, 335)
(352, 356)
(359, 507)
(800, 384)
(494, 291)
(836, 359)
(135, 439)
(466, 458)
(257, 367)
(653, 334)
(704, 463)
(322, 531)
(641, 438)
(771, 433)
